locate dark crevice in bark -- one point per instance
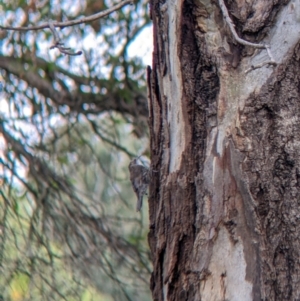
(180, 208)
(253, 19)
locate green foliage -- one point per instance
(68, 128)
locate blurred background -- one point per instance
(69, 125)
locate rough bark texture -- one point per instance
(224, 196)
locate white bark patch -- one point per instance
(284, 35)
(172, 83)
(236, 85)
(227, 280)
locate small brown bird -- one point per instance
(139, 177)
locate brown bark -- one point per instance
(224, 196)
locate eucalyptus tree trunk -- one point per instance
(225, 141)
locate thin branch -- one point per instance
(73, 22)
(58, 43)
(232, 28)
(51, 25)
(75, 101)
(270, 54)
(37, 168)
(253, 67)
(244, 42)
(115, 144)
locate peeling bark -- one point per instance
(224, 212)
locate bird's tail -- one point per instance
(139, 203)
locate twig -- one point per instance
(270, 54)
(58, 44)
(253, 67)
(244, 42)
(73, 22)
(55, 33)
(51, 25)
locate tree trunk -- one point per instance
(225, 141)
